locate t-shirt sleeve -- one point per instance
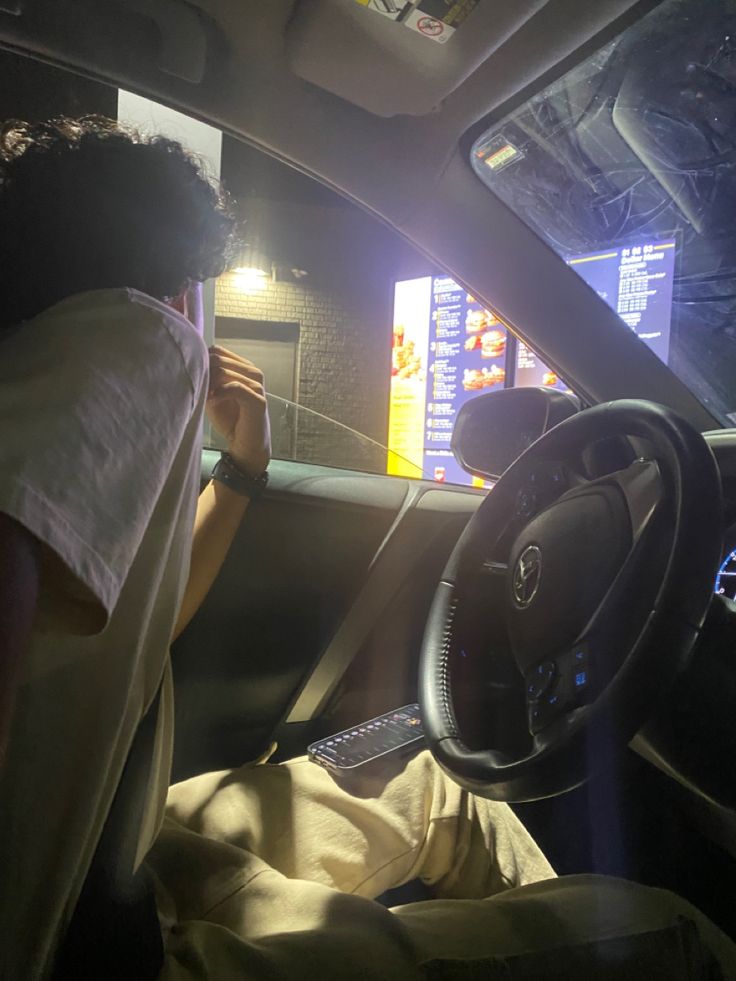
(94, 404)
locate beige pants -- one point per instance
(270, 871)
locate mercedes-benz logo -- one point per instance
(527, 575)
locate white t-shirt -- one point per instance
(101, 399)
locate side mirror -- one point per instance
(493, 430)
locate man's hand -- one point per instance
(236, 407)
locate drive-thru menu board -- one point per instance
(636, 281)
(447, 348)
(458, 351)
(532, 371)
(409, 355)
(467, 356)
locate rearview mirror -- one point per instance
(493, 430)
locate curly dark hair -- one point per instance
(91, 204)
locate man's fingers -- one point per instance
(233, 364)
(237, 390)
(219, 349)
(220, 376)
(231, 360)
(221, 356)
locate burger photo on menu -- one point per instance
(476, 321)
(493, 344)
(475, 379)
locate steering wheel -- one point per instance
(602, 586)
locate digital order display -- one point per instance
(467, 356)
(447, 348)
(636, 281)
(532, 371)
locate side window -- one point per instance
(368, 351)
(310, 300)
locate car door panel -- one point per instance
(314, 556)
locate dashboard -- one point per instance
(726, 577)
(723, 444)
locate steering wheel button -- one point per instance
(526, 502)
(541, 679)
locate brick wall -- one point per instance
(344, 353)
(343, 308)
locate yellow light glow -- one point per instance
(408, 377)
(249, 279)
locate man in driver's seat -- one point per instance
(262, 872)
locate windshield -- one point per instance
(626, 166)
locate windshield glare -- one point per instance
(625, 166)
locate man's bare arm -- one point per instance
(237, 410)
(219, 513)
(19, 584)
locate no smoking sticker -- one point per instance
(429, 26)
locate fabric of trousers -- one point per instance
(271, 872)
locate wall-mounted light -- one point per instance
(251, 269)
(248, 279)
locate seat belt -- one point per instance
(114, 932)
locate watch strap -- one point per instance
(229, 474)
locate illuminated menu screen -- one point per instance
(467, 356)
(447, 349)
(636, 281)
(532, 371)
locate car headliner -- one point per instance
(232, 62)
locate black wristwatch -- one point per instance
(228, 473)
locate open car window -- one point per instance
(369, 350)
(626, 166)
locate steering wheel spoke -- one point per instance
(641, 485)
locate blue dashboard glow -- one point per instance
(726, 578)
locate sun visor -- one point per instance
(392, 57)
